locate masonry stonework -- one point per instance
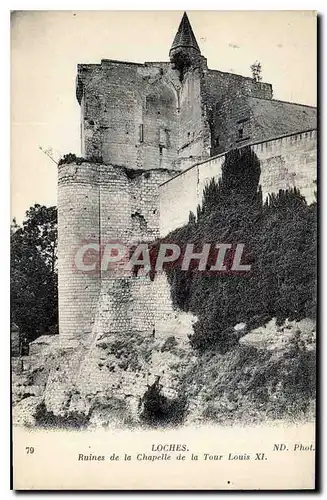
(286, 162)
(150, 134)
(78, 221)
(241, 119)
(100, 204)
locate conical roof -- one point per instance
(185, 37)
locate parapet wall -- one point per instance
(286, 162)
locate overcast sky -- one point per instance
(47, 46)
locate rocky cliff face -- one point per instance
(103, 383)
(126, 380)
(269, 376)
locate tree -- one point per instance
(256, 71)
(40, 229)
(239, 184)
(280, 245)
(33, 274)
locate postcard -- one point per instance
(163, 250)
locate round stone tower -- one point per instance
(134, 120)
(78, 234)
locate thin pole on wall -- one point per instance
(47, 153)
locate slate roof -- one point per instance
(185, 37)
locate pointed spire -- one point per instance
(184, 38)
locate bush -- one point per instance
(72, 158)
(280, 244)
(159, 410)
(250, 385)
(169, 344)
(47, 419)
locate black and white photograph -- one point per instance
(163, 249)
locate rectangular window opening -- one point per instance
(141, 132)
(242, 120)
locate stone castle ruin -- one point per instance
(152, 136)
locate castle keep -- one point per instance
(152, 135)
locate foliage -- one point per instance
(181, 62)
(252, 384)
(256, 70)
(280, 244)
(169, 344)
(238, 184)
(159, 410)
(48, 420)
(191, 218)
(72, 158)
(34, 295)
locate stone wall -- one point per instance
(116, 323)
(100, 204)
(194, 131)
(78, 221)
(130, 113)
(147, 116)
(240, 119)
(139, 304)
(125, 353)
(143, 116)
(286, 162)
(147, 132)
(220, 84)
(226, 97)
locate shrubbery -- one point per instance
(158, 410)
(33, 273)
(250, 385)
(280, 244)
